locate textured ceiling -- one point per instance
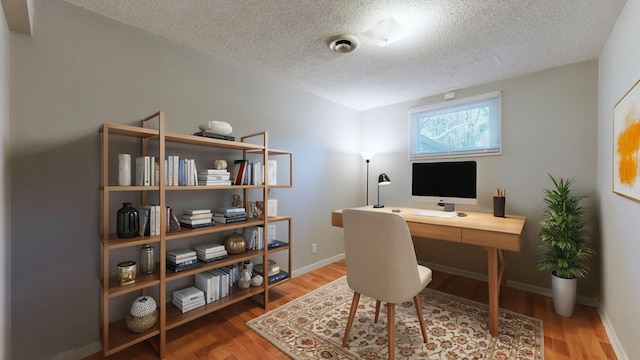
(454, 44)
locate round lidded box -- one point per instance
(143, 306)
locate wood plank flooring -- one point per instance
(224, 335)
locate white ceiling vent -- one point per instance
(343, 43)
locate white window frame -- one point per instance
(495, 126)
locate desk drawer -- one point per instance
(491, 239)
(437, 232)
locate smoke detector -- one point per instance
(343, 43)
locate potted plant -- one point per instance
(564, 236)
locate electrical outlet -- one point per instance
(314, 248)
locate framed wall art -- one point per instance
(626, 144)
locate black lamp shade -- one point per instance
(383, 179)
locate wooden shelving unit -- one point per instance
(115, 335)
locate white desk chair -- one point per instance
(381, 263)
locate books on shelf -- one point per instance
(276, 243)
(180, 254)
(215, 136)
(231, 210)
(198, 226)
(178, 268)
(254, 236)
(188, 299)
(272, 270)
(229, 219)
(182, 259)
(278, 277)
(196, 218)
(149, 222)
(197, 212)
(143, 170)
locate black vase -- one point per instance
(127, 221)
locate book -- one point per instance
(277, 277)
(230, 210)
(181, 253)
(178, 268)
(195, 221)
(190, 293)
(214, 182)
(239, 171)
(143, 214)
(209, 248)
(197, 226)
(229, 220)
(230, 215)
(196, 305)
(215, 136)
(273, 268)
(195, 212)
(182, 262)
(150, 225)
(212, 259)
(213, 172)
(276, 243)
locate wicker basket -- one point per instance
(141, 324)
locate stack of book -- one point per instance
(182, 259)
(227, 215)
(212, 177)
(196, 218)
(211, 252)
(274, 274)
(188, 299)
(215, 136)
(218, 283)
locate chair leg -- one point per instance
(352, 314)
(377, 311)
(423, 328)
(391, 310)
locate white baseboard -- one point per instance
(611, 333)
(77, 354)
(317, 265)
(514, 284)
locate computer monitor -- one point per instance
(445, 183)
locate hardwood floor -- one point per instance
(224, 335)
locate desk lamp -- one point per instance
(383, 179)
(367, 156)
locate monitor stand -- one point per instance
(448, 207)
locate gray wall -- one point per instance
(5, 235)
(80, 70)
(549, 126)
(620, 293)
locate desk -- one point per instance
(495, 234)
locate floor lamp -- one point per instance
(383, 179)
(367, 157)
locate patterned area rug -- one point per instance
(312, 326)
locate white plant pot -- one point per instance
(564, 295)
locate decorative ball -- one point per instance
(217, 127)
(143, 306)
(243, 284)
(235, 243)
(220, 164)
(256, 280)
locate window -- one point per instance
(462, 127)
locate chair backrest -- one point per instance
(380, 257)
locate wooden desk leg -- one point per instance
(494, 289)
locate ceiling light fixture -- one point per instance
(387, 32)
(343, 43)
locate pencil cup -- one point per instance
(498, 206)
